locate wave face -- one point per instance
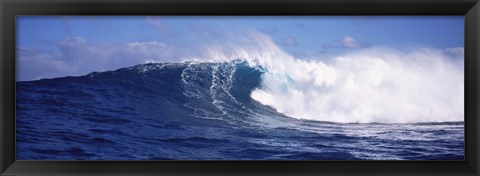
(243, 110)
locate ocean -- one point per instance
(204, 111)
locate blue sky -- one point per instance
(54, 46)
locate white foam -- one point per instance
(375, 85)
(372, 85)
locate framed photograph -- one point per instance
(239, 88)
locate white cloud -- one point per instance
(350, 42)
(36, 64)
(77, 56)
(347, 42)
(147, 44)
(456, 50)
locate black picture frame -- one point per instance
(9, 9)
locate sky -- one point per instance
(57, 46)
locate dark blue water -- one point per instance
(199, 111)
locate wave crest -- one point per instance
(375, 85)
